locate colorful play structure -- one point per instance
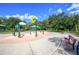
(34, 27)
(34, 21)
(18, 27)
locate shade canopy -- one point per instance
(2, 25)
(34, 26)
(22, 23)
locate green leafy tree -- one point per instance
(12, 22)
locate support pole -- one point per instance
(19, 35)
(30, 32)
(36, 30)
(43, 32)
(14, 31)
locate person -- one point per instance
(77, 48)
(73, 47)
(74, 42)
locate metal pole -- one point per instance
(36, 30)
(14, 31)
(30, 32)
(19, 35)
(43, 32)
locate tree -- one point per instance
(76, 21)
(11, 22)
(62, 21)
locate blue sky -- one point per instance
(40, 10)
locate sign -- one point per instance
(33, 19)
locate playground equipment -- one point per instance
(34, 21)
(36, 27)
(41, 24)
(18, 27)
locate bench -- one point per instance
(66, 40)
(70, 41)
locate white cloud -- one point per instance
(7, 16)
(32, 16)
(17, 16)
(59, 11)
(73, 6)
(77, 11)
(22, 17)
(49, 11)
(26, 15)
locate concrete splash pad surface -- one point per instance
(8, 38)
(45, 44)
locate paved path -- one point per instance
(39, 47)
(13, 49)
(49, 45)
